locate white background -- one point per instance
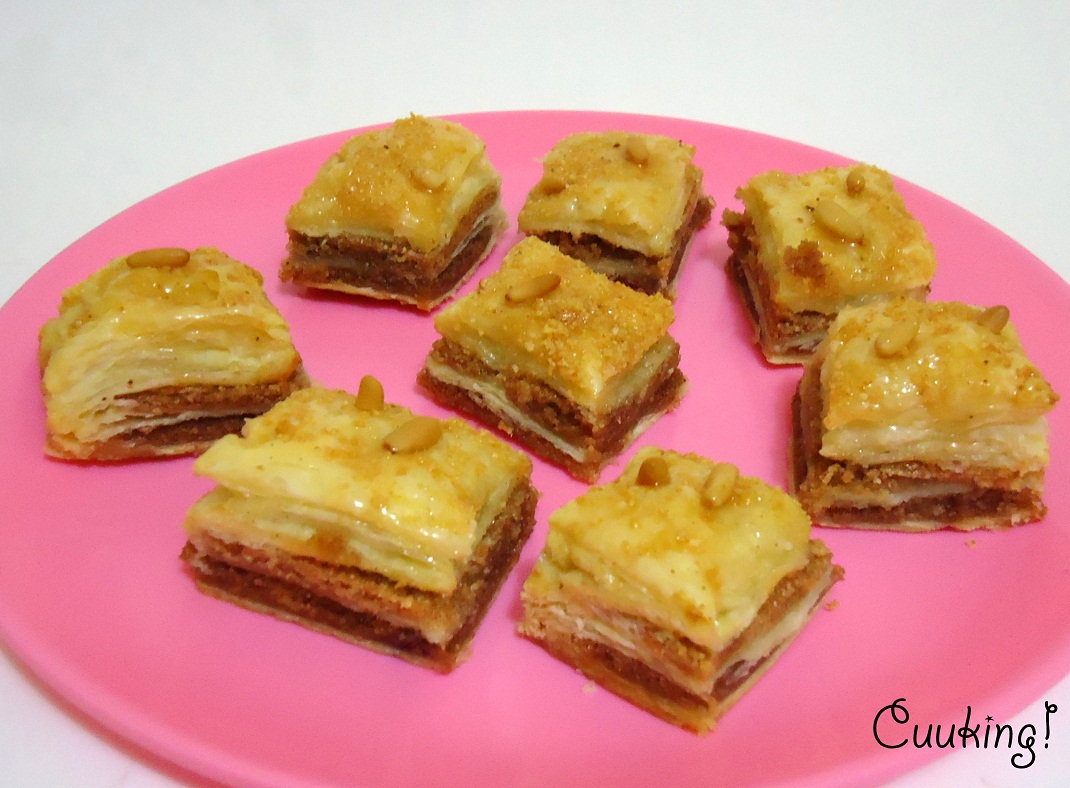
(109, 103)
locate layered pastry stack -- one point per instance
(916, 416)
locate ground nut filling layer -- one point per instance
(645, 273)
(178, 420)
(645, 680)
(393, 270)
(540, 417)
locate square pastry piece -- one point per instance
(677, 585)
(361, 520)
(162, 352)
(405, 214)
(572, 365)
(806, 246)
(628, 205)
(914, 416)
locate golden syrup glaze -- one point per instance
(957, 388)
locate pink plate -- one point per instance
(94, 600)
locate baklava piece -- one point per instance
(915, 416)
(806, 246)
(572, 365)
(160, 353)
(628, 205)
(405, 213)
(361, 520)
(677, 585)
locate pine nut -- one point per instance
(719, 484)
(552, 183)
(422, 432)
(895, 339)
(856, 181)
(832, 216)
(166, 257)
(654, 472)
(535, 287)
(370, 394)
(428, 178)
(636, 150)
(995, 318)
(328, 543)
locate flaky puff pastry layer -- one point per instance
(314, 477)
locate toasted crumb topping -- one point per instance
(580, 336)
